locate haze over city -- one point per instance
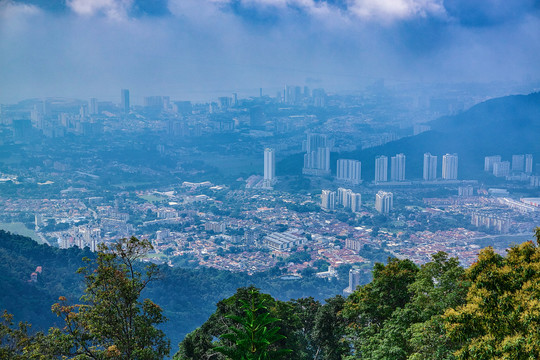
(199, 49)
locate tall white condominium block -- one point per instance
(384, 202)
(528, 163)
(501, 169)
(381, 168)
(490, 160)
(269, 167)
(317, 157)
(349, 171)
(356, 202)
(450, 167)
(518, 162)
(430, 167)
(328, 200)
(397, 168)
(343, 196)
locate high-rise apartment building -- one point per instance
(384, 202)
(124, 100)
(528, 163)
(349, 171)
(328, 200)
(381, 169)
(430, 167)
(317, 157)
(397, 167)
(93, 106)
(490, 160)
(518, 162)
(450, 167)
(349, 199)
(269, 168)
(501, 169)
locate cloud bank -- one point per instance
(197, 49)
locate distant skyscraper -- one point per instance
(124, 100)
(528, 163)
(430, 167)
(328, 200)
(349, 171)
(319, 97)
(93, 106)
(384, 202)
(269, 168)
(489, 161)
(397, 168)
(381, 169)
(317, 157)
(450, 167)
(518, 162)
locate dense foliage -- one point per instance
(435, 311)
(187, 296)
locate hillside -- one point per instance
(505, 126)
(188, 296)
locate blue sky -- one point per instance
(204, 48)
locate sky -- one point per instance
(196, 49)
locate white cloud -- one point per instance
(10, 9)
(390, 10)
(113, 9)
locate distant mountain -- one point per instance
(502, 126)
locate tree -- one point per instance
(500, 319)
(329, 329)
(12, 339)
(369, 307)
(254, 333)
(112, 322)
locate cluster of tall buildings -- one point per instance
(344, 197)
(296, 95)
(317, 156)
(384, 202)
(520, 163)
(491, 222)
(349, 171)
(449, 167)
(397, 168)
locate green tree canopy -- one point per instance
(501, 316)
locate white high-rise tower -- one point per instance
(397, 168)
(450, 167)
(269, 168)
(381, 169)
(430, 167)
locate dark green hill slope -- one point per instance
(503, 126)
(187, 296)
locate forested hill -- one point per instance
(436, 311)
(188, 296)
(502, 126)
